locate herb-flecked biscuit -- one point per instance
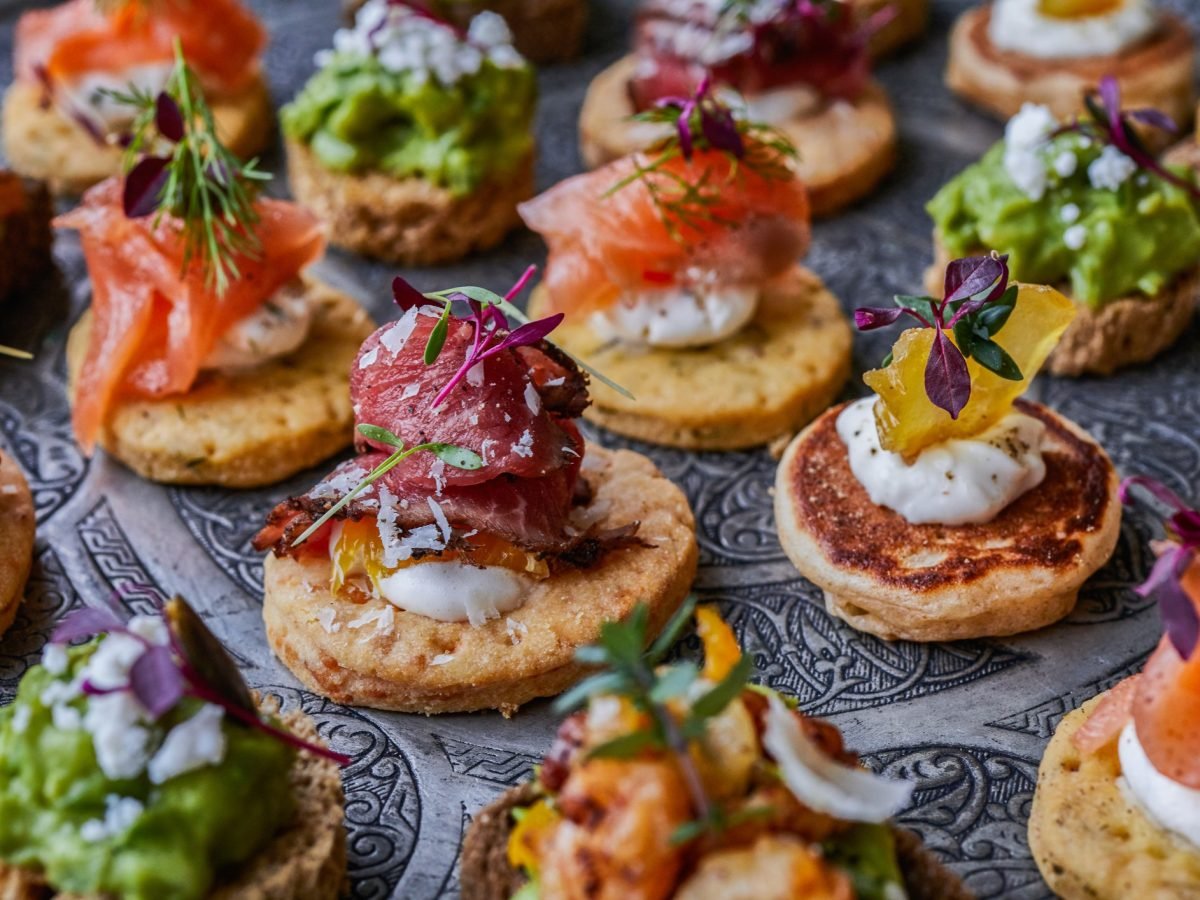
(844, 149)
(1122, 332)
(245, 429)
(486, 873)
(306, 861)
(40, 142)
(399, 660)
(407, 221)
(1157, 72)
(887, 576)
(16, 537)
(765, 382)
(1090, 842)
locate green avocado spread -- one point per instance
(358, 116)
(61, 815)
(1106, 242)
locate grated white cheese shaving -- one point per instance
(411, 391)
(397, 336)
(441, 659)
(532, 400)
(437, 471)
(555, 382)
(384, 620)
(517, 631)
(439, 516)
(524, 447)
(337, 486)
(327, 617)
(475, 375)
(368, 359)
(487, 444)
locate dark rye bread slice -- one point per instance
(487, 875)
(884, 575)
(1157, 72)
(306, 861)
(25, 237)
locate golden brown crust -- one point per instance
(407, 221)
(1158, 72)
(17, 520)
(307, 861)
(845, 149)
(485, 873)
(42, 143)
(246, 429)
(767, 381)
(509, 661)
(1090, 841)
(1123, 332)
(907, 24)
(884, 575)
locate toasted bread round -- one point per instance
(544, 31)
(407, 221)
(244, 429)
(486, 873)
(908, 21)
(1123, 332)
(17, 519)
(845, 149)
(1090, 841)
(891, 578)
(306, 861)
(1158, 72)
(423, 665)
(766, 381)
(42, 143)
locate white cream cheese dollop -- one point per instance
(91, 94)
(956, 482)
(1172, 805)
(454, 591)
(275, 329)
(678, 317)
(1021, 26)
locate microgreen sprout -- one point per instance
(1180, 617)
(14, 352)
(1109, 124)
(701, 122)
(490, 313)
(450, 454)
(177, 167)
(640, 676)
(192, 664)
(976, 304)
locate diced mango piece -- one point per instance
(1071, 9)
(907, 420)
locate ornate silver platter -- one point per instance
(967, 721)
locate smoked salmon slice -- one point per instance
(605, 243)
(152, 326)
(221, 39)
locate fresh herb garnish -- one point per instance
(1179, 613)
(192, 664)
(14, 352)
(450, 454)
(490, 313)
(976, 304)
(177, 167)
(1109, 124)
(702, 122)
(640, 677)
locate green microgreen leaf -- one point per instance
(672, 630)
(726, 691)
(624, 747)
(674, 682)
(995, 315)
(595, 686)
(437, 337)
(993, 357)
(689, 831)
(887, 360)
(922, 305)
(381, 436)
(459, 457)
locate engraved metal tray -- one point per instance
(966, 721)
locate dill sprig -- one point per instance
(177, 167)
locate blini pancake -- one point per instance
(886, 576)
(17, 519)
(374, 654)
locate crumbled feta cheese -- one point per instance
(532, 400)
(118, 737)
(1111, 169)
(190, 745)
(120, 814)
(22, 713)
(54, 659)
(1066, 163)
(1075, 237)
(151, 629)
(1025, 137)
(524, 447)
(1070, 213)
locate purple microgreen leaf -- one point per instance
(144, 185)
(86, 623)
(405, 295)
(1180, 618)
(868, 318)
(524, 280)
(167, 118)
(721, 130)
(530, 333)
(1154, 118)
(1110, 96)
(947, 380)
(156, 681)
(1156, 489)
(967, 277)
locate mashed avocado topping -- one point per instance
(407, 95)
(102, 799)
(1067, 208)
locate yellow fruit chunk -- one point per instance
(721, 650)
(527, 834)
(1073, 9)
(907, 420)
